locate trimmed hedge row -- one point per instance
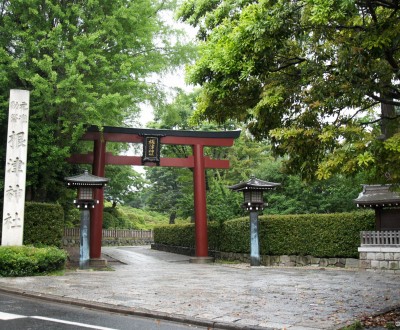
(184, 235)
(320, 235)
(43, 224)
(177, 235)
(29, 261)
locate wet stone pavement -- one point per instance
(231, 294)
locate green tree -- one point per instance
(166, 188)
(246, 157)
(296, 196)
(125, 181)
(177, 114)
(84, 63)
(171, 189)
(319, 78)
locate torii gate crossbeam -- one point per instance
(99, 158)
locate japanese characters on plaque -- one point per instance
(15, 171)
(151, 149)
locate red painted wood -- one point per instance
(181, 140)
(119, 137)
(200, 206)
(137, 161)
(96, 218)
(81, 158)
(99, 158)
(216, 163)
(177, 162)
(123, 160)
(228, 142)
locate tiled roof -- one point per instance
(377, 196)
(86, 179)
(255, 184)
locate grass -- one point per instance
(355, 326)
(142, 219)
(227, 262)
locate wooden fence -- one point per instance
(113, 233)
(387, 238)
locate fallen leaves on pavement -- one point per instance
(390, 320)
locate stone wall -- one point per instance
(284, 260)
(380, 258)
(175, 249)
(291, 260)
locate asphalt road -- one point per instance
(23, 313)
(165, 286)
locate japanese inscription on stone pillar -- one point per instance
(15, 171)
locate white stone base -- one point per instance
(379, 258)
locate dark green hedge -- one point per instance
(184, 235)
(177, 235)
(43, 224)
(29, 261)
(319, 235)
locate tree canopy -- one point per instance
(170, 190)
(85, 62)
(319, 78)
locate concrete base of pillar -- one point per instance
(84, 264)
(98, 263)
(201, 260)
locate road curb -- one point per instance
(130, 310)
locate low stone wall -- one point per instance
(291, 260)
(284, 260)
(176, 249)
(117, 241)
(380, 258)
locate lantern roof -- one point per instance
(254, 184)
(86, 180)
(378, 195)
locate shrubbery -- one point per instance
(319, 235)
(131, 218)
(29, 260)
(177, 235)
(113, 218)
(43, 224)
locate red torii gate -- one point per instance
(197, 139)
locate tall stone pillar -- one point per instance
(15, 169)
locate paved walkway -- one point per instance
(150, 282)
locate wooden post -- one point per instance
(200, 204)
(198, 162)
(96, 219)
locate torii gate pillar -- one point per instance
(200, 205)
(96, 218)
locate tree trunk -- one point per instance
(172, 218)
(389, 125)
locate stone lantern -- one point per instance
(254, 202)
(85, 184)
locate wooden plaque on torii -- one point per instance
(99, 158)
